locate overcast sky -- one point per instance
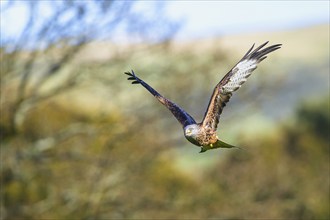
(209, 18)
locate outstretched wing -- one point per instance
(183, 117)
(233, 81)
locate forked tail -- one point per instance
(218, 144)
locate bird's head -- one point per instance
(191, 130)
(191, 133)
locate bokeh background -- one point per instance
(79, 142)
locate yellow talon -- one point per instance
(211, 145)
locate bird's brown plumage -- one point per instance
(222, 92)
(204, 133)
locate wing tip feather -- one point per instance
(260, 52)
(133, 77)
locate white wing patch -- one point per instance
(240, 74)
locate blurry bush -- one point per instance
(96, 172)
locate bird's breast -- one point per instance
(193, 140)
(203, 137)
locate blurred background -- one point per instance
(78, 141)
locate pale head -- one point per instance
(191, 133)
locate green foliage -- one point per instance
(102, 174)
(315, 117)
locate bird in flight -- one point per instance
(204, 134)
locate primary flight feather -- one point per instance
(203, 134)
